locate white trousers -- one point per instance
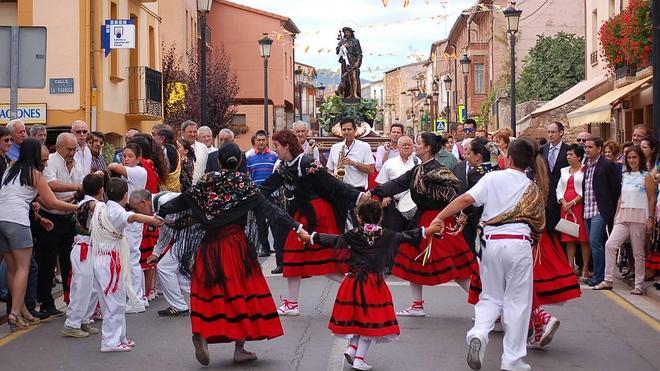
(113, 304)
(506, 271)
(172, 282)
(83, 294)
(134, 237)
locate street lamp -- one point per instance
(299, 82)
(320, 92)
(264, 48)
(512, 15)
(427, 111)
(465, 66)
(203, 8)
(447, 80)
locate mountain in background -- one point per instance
(329, 78)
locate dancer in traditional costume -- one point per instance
(230, 299)
(432, 186)
(513, 217)
(111, 257)
(363, 312)
(317, 200)
(83, 297)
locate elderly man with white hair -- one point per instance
(18, 133)
(39, 133)
(83, 154)
(301, 129)
(205, 136)
(64, 176)
(224, 136)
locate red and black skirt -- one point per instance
(364, 307)
(242, 308)
(450, 259)
(309, 260)
(554, 279)
(149, 239)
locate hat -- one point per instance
(347, 29)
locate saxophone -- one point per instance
(341, 172)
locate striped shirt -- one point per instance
(260, 165)
(590, 205)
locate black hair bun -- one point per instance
(232, 162)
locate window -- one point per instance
(479, 79)
(286, 65)
(114, 54)
(187, 32)
(152, 48)
(595, 26)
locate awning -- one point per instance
(578, 90)
(600, 109)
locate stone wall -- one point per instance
(538, 127)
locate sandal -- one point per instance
(637, 291)
(30, 319)
(16, 323)
(603, 286)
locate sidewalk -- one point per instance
(648, 303)
(4, 326)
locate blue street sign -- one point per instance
(440, 125)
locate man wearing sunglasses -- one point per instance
(83, 154)
(582, 138)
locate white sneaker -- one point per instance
(118, 348)
(476, 352)
(140, 308)
(289, 308)
(360, 364)
(412, 311)
(549, 331)
(518, 366)
(128, 342)
(349, 354)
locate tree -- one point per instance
(552, 66)
(182, 88)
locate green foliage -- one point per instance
(108, 152)
(486, 106)
(553, 65)
(334, 109)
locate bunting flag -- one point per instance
(385, 2)
(406, 3)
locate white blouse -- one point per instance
(578, 177)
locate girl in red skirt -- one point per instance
(363, 311)
(432, 186)
(230, 299)
(318, 201)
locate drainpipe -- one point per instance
(92, 67)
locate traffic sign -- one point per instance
(440, 126)
(462, 113)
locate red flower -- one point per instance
(227, 197)
(213, 196)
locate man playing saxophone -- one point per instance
(352, 156)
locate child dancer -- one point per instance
(83, 297)
(111, 253)
(363, 310)
(136, 176)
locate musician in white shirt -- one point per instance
(392, 169)
(357, 159)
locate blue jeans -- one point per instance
(597, 237)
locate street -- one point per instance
(596, 333)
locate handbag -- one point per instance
(568, 227)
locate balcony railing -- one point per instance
(145, 92)
(594, 58)
(626, 70)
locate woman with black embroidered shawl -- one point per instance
(230, 299)
(317, 200)
(432, 187)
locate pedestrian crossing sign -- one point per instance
(440, 126)
(462, 114)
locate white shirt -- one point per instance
(380, 154)
(15, 201)
(201, 155)
(360, 152)
(57, 171)
(250, 152)
(118, 216)
(314, 151)
(211, 149)
(136, 177)
(578, 177)
(83, 156)
(499, 192)
(394, 168)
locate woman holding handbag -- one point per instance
(570, 196)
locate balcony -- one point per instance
(624, 74)
(145, 93)
(594, 58)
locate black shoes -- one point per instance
(51, 312)
(41, 315)
(277, 270)
(173, 312)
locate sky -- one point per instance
(390, 36)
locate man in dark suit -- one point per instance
(554, 154)
(212, 164)
(602, 188)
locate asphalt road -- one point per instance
(597, 332)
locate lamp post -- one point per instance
(427, 114)
(299, 83)
(512, 15)
(465, 67)
(264, 48)
(203, 8)
(447, 80)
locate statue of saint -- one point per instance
(350, 57)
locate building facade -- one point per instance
(402, 86)
(112, 93)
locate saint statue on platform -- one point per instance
(350, 57)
